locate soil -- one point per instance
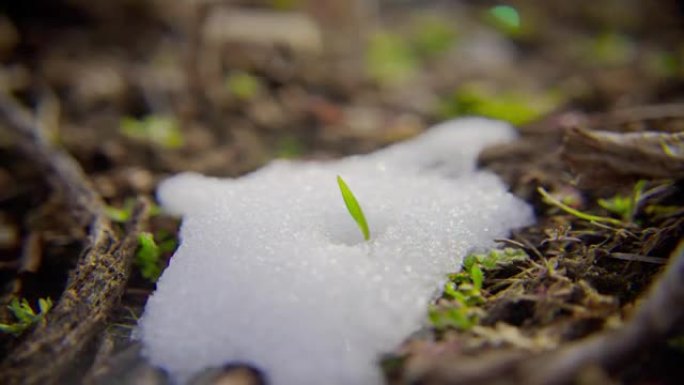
(96, 75)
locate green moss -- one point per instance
(25, 316)
(463, 291)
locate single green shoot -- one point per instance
(625, 206)
(354, 208)
(147, 258)
(123, 214)
(587, 217)
(25, 315)
(243, 85)
(506, 17)
(159, 130)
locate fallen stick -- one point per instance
(97, 282)
(598, 156)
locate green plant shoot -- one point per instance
(353, 207)
(625, 206)
(587, 217)
(148, 257)
(25, 315)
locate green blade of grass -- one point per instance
(353, 207)
(587, 217)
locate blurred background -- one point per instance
(223, 86)
(136, 90)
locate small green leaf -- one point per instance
(625, 206)
(587, 217)
(44, 305)
(353, 207)
(458, 317)
(148, 257)
(25, 315)
(477, 276)
(506, 17)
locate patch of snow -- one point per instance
(273, 271)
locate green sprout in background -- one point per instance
(390, 59)
(505, 18)
(548, 199)
(610, 49)
(123, 214)
(495, 258)
(289, 147)
(25, 315)
(160, 130)
(148, 257)
(625, 206)
(523, 23)
(354, 208)
(285, 5)
(514, 107)
(432, 36)
(243, 85)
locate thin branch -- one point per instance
(99, 279)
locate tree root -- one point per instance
(99, 279)
(601, 156)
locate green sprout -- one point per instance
(515, 107)
(159, 130)
(123, 214)
(432, 36)
(353, 207)
(243, 85)
(505, 17)
(148, 256)
(289, 147)
(625, 206)
(610, 49)
(464, 290)
(25, 315)
(495, 258)
(587, 217)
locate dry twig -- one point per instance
(600, 155)
(98, 281)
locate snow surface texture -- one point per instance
(273, 271)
